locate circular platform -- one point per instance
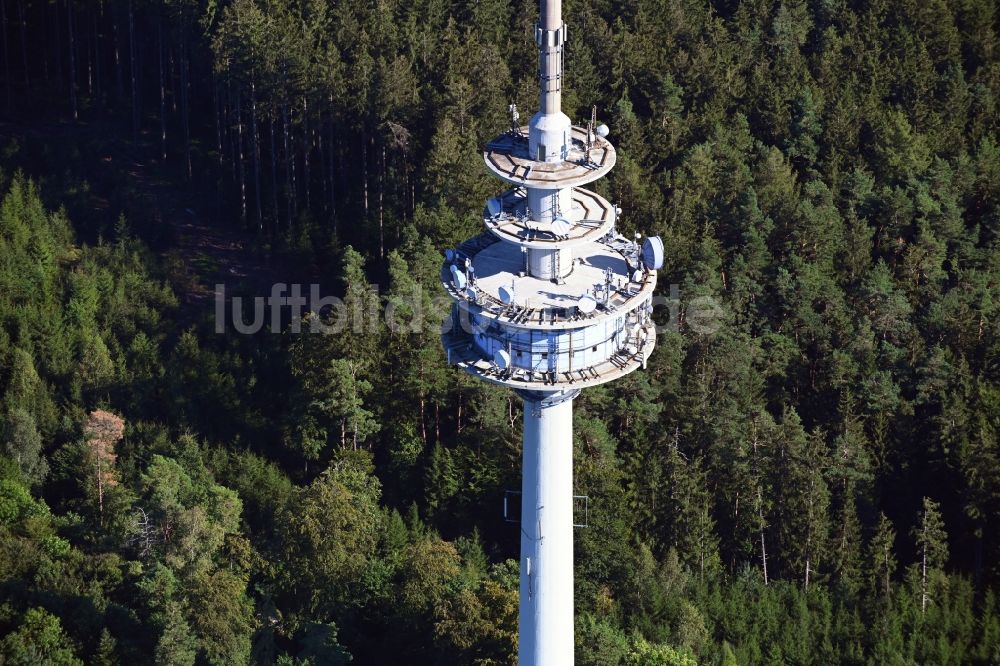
(591, 218)
(544, 304)
(507, 157)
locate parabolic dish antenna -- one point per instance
(472, 293)
(586, 304)
(602, 131)
(637, 276)
(652, 253)
(458, 278)
(501, 358)
(449, 254)
(561, 226)
(507, 294)
(494, 206)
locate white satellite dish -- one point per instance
(507, 294)
(449, 254)
(586, 304)
(458, 278)
(494, 206)
(602, 131)
(472, 293)
(501, 358)
(637, 276)
(561, 226)
(652, 253)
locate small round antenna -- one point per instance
(501, 358)
(507, 294)
(637, 276)
(586, 304)
(472, 293)
(561, 226)
(494, 206)
(652, 253)
(602, 131)
(449, 255)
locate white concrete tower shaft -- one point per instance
(545, 627)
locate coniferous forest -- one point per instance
(814, 479)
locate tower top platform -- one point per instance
(508, 157)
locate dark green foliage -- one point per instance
(808, 471)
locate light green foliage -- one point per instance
(38, 641)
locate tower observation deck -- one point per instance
(549, 299)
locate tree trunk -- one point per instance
(923, 574)
(364, 171)
(120, 86)
(381, 211)
(241, 170)
(6, 59)
(24, 40)
(163, 91)
(289, 168)
(185, 103)
(331, 148)
(763, 548)
(97, 19)
(306, 149)
(134, 75)
(58, 43)
(256, 152)
(423, 422)
(217, 108)
(274, 178)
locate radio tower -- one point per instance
(549, 300)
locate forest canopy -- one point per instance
(814, 481)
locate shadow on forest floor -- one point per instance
(95, 171)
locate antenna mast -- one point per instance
(525, 317)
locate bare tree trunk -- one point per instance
(185, 103)
(241, 169)
(6, 59)
(163, 91)
(217, 107)
(321, 154)
(233, 153)
(274, 177)
(289, 168)
(256, 152)
(306, 149)
(24, 40)
(763, 548)
(381, 208)
(364, 171)
(134, 76)
(118, 58)
(97, 19)
(100, 487)
(58, 42)
(923, 574)
(423, 422)
(331, 149)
